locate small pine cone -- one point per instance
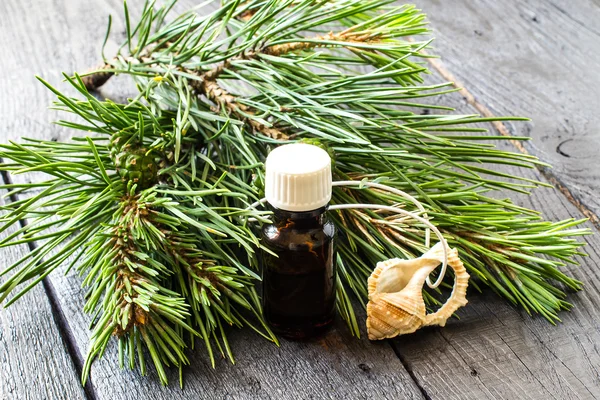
(137, 166)
(133, 163)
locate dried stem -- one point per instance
(97, 79)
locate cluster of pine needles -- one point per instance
(150, 204)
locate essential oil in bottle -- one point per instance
(299, 283)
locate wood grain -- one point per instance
(336, 366)
(538, 59)
(520, 58)
(495, 351)
(34, 362)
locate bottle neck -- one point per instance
(298, 219)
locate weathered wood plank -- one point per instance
(337, 366)
(34, 362)
(516, 77)
(534, 58)
(496, 351)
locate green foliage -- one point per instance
(152, 207)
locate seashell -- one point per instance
(396, 305)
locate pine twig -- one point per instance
(207, 82)
(223, 98)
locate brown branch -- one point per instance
(125, 278)
(223, 98)
(193, 263)
(346, 36)
(97, 79)
(247, 15)
(94, 81)
(208, 85)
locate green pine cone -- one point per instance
(137, 166)
(133, 163)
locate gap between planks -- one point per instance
(64, 329)
(408, 369)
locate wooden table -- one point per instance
(516, 57)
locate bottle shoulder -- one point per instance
(289, 232)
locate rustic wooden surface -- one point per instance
(33, 357)
(495, 351)
(532, 58)
(537, 58)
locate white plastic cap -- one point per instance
(298, 177)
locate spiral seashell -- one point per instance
(396, 305)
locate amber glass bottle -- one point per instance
(299, 284)
(299, 279)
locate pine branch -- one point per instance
(133, 243)
(207, 84)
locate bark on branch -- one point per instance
(209, 86)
